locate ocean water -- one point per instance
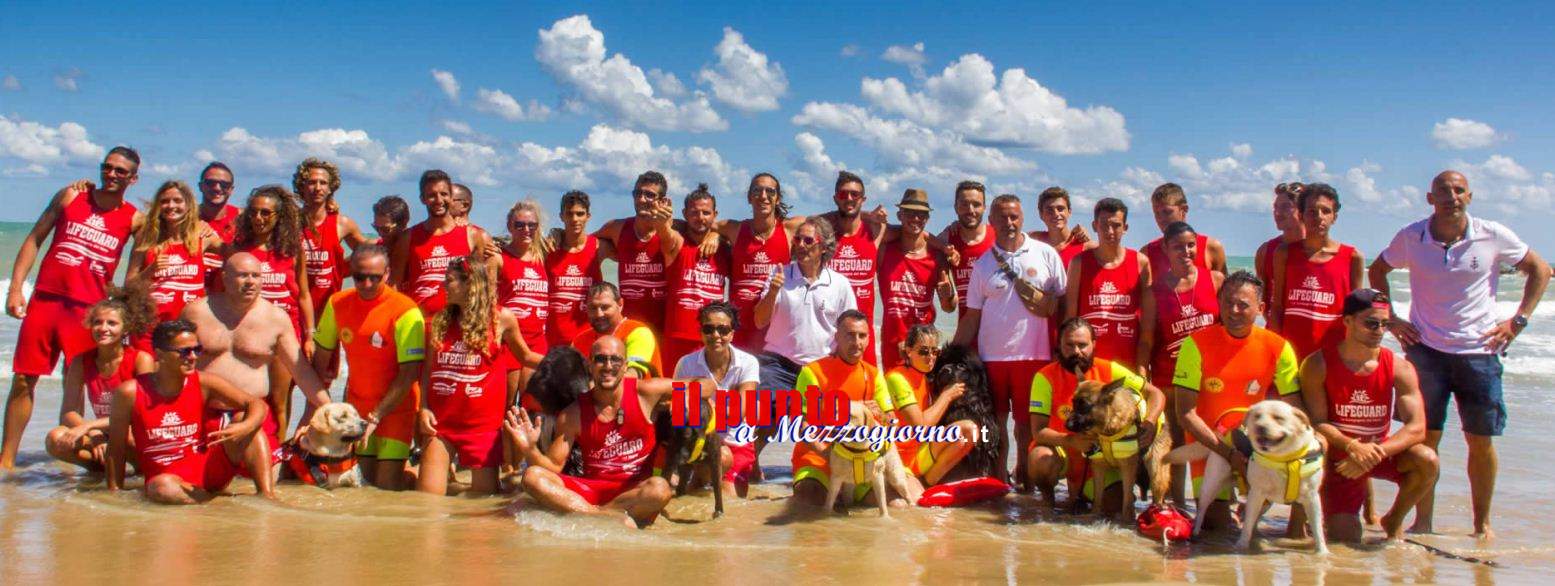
(59, 527)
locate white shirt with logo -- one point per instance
(1008, 331)
(1453, 288)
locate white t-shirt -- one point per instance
(742, 369)
(1008, 331)
(1453, 289)
(804, 317)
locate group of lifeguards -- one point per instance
(224, 309)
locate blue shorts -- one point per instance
(1475, 379)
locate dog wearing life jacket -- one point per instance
(959, 364)
(324, 455)
(691, 452)
(1285, 465)
(856, 463)
(1112, 415)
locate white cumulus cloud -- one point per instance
(499, 103)
(903, 144)
(573, 52)
(909, 55)
(358, 154)
(1460, 134)
(666, 84)
(744, 78)
(40, 147)
(448, 83)
(1009, 109)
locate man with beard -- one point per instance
(969, 236)
(216, 186)
(1057, 453)
(419, 260)
(323, 228)
(242, 335)
(90, 227)
(694, 280)
(858, 246)
(843, 370)
(639, 266)
(606, 319)
(911, 276)
(759, 248)
(612, 427)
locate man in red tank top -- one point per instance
(612, 426)
(1312, 278)
(316, 181)
(1107, 284)
(694, 280)
(1287, 219)
(419, 261)
(1352, 390)
(216, 185)
(858, 245)
(573, 266)
(639, 266)
(184, 462)
(969, 236)
(759, 248)
(1170, 205)
(911, 276)
(90, 227)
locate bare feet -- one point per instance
(1484, 533)
(1421, 528)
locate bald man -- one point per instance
(241, 336)
(1454, 337)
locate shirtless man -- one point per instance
(613, 427)
(241, 336)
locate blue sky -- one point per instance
(1105, 100)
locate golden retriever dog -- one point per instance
(855, 463)
(1111, 415)
(1285, 465)
(325, 454)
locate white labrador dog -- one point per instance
(325, 455)
(1285, 465)
(854, 463)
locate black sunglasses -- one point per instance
(366, 277)
(607, 359)
(217, 184)
(187, 351)
(713, 329)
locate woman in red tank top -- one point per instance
(269, 228)
(1109, 297)
(1182, 301)
(169, 253)
(471, 343)
(573, 267)
(523, 285)
(92, 376)
(1312, 277)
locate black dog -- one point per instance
(961, 364)
(558, 381)
(690, 449)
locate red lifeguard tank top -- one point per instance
(962, 272)
(615, 451)
(1177, 316)
(430, 255)
(754, 260)
(167, 430)
(855, 260)
(1314, 298)
(524, 290)
(1109, 300)
(1265, 267)
(1160, 265)
(469, 392)
(571, 273)
(224, 225)
(906, 297)
(1067, 252)
(324, 259)
(640, 274)
(279, 282)
(1360, 406)
(178, 283)
(101, 385)
(694, 281)
(85, 251)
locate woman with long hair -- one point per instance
(464, 395)
(916, 405)
(270, 228)
(92, 376)
(169, 254)
(523, 286)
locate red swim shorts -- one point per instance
(1010, 382)
(742, 464)
(54, 325)
(209, 470)
(474, 449)
(598, 492)
(1344, 496)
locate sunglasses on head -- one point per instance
(716, 329)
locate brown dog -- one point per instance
(1111, 415)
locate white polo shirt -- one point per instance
(1453, 289)
(743, 368)
(1008, 331)
(804, 318)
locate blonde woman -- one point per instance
(463, 398)
(169, 254)
(523, 285)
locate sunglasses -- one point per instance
(217, 184)
(767, 192)
(806, 240)
(367, 277)
(607, 359)
(112, 170)
(262, 213)
(522, 225)
(714, 329)
(926, 351)
(187, 352)
(849, 194)
(645, 194)
(1374, 324)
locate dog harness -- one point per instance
(1124, 444)
(859, 458)
(314, 470)
(696, 448)
(1294, 466)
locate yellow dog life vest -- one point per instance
(859, 458)
(1294, 466)
(1113, 448)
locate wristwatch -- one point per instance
(1519, 322)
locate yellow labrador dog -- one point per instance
(1285, 465)
(854, 464)
(325, 455)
